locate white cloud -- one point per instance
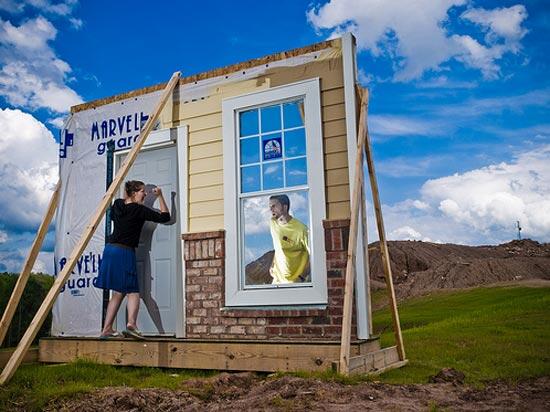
(416, 35)
(28, 171)
(61, 8)
(3, 237)
(500, 22)
(480, 206)
(494, 197)
(395, 125)
(32, 76)
(44, 263)
(407, 233)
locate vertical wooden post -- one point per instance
(62, 277)
(28, 265)
(352, 243)
(384, 248)
(366, 255)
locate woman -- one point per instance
(118, 266)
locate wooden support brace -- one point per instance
(62, 277)
(384, 254)
(352, 243)
(28, 265)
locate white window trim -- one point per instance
(314, 293)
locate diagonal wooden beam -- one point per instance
(352, 243)
(384, 254)
(62, 277)
(28, 265)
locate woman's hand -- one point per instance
(157, 191)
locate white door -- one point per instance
(158, 251)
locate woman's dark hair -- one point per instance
(133, 186)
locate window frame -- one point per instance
(314, 293)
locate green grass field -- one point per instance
(487, 333)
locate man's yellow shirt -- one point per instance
(291, 245)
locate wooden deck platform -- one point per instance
(264, 356)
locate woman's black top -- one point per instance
(129, 219)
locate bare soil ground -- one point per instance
(249, 392)
(421, 267)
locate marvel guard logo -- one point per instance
(272, 148)
(84, 275)
(123, 130)
(66, 139)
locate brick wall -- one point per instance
(204, 256)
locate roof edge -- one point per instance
(209, 74)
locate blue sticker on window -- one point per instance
(273, 148)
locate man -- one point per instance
(290, 241)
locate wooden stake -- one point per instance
(62, 277)
(384, 248)
(28, 265)
(352, 243)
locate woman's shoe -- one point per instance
(131, 332)
(109, 335)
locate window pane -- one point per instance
(296, 172)
(248, 122)
(250, 179)
(273, 175)
(250, 150)
(293, 114)
(271, 118)
(276, 240)
(295, 143)
(272, 146)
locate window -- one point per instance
(274, 197)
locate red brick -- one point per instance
(210, 304)
(332, 330)
(218, 280)
(215, 263)
(219, 251)
(336, 240)
(192, 272)
(199, 312)
(200, 329)
(238, 330)
(312, 330)
(193, 320)
(261, 321)
(228, 321)
(255, 330)
(277, 321)
(273, 330)
(299, 321)
(337, 283)
(192, 288)
(290, 330)
(245, 321)
(216, 330)
(211, 243)
(210, 320)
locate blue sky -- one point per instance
(458, 113)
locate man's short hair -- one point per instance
(282, 199)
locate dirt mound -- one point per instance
(248, 392)
(421, 267)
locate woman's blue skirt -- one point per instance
(118, 270)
